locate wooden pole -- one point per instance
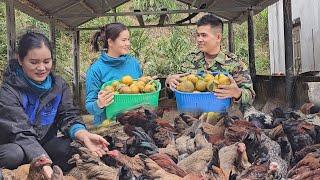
(287, 16)
(252, 57)
(53, 41)
(230, 37)
(76, 66)
(11, 29)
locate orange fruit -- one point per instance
(149, 88)
(193, 78)
(125, 90)
(109, 88)
(201, 85)
(127, 80)
(135, 89)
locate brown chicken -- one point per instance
(171, 151)
(57, 174)
(134, 164)
(166, 163)
(89, 166)
(197, 161)
(303, 152)
(233, 159)
(31, 171)
(154, 171)
(307, 168)
(239, 130)
(266, 171)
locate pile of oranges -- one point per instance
(206, 82)
(127, 85)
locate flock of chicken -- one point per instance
(282, 145)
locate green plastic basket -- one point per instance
(125, 102)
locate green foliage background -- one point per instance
(160, 50)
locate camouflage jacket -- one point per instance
(225, 62)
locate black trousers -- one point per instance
(58, 148)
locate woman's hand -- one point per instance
(228, 91)
(95, 143)
(172, 81)
(105, 98)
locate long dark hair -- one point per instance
(31, 40)
(109, 31)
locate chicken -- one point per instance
(57, 174)
(273, 154)
(301, 134)
(89, 166)
(162, 136)
(171, 151)
(197, 161)
(306, 108)
(259, 119)
(303, 152)
(183, 122)
(266, 171)
(154, 171)
(31, 171)
(166, 163)
(135, 165)
(239, 130)
(233, 159)
(140, 117)
(141, 143)
(215, 173)
(277, 134)
(307, 168)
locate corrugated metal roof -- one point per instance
(73, 13)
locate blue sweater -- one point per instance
(105, 69)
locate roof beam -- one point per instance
(139, 17)
(82, 15)
(85, 5)
(69, 4)
(135, 27)
(40, 12)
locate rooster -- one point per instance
(31, 171)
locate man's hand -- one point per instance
(105, 98)
(95, 143)
(172, 81)
(228, 91)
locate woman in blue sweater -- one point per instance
(114, 63)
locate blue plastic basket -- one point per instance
(200, 102)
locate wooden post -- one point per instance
(115, 16)
(76, 66)
(287, 16)
(53, 41)
(11, 30)
(230, 37)
(252, 57)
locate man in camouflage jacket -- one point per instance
(211, 58)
